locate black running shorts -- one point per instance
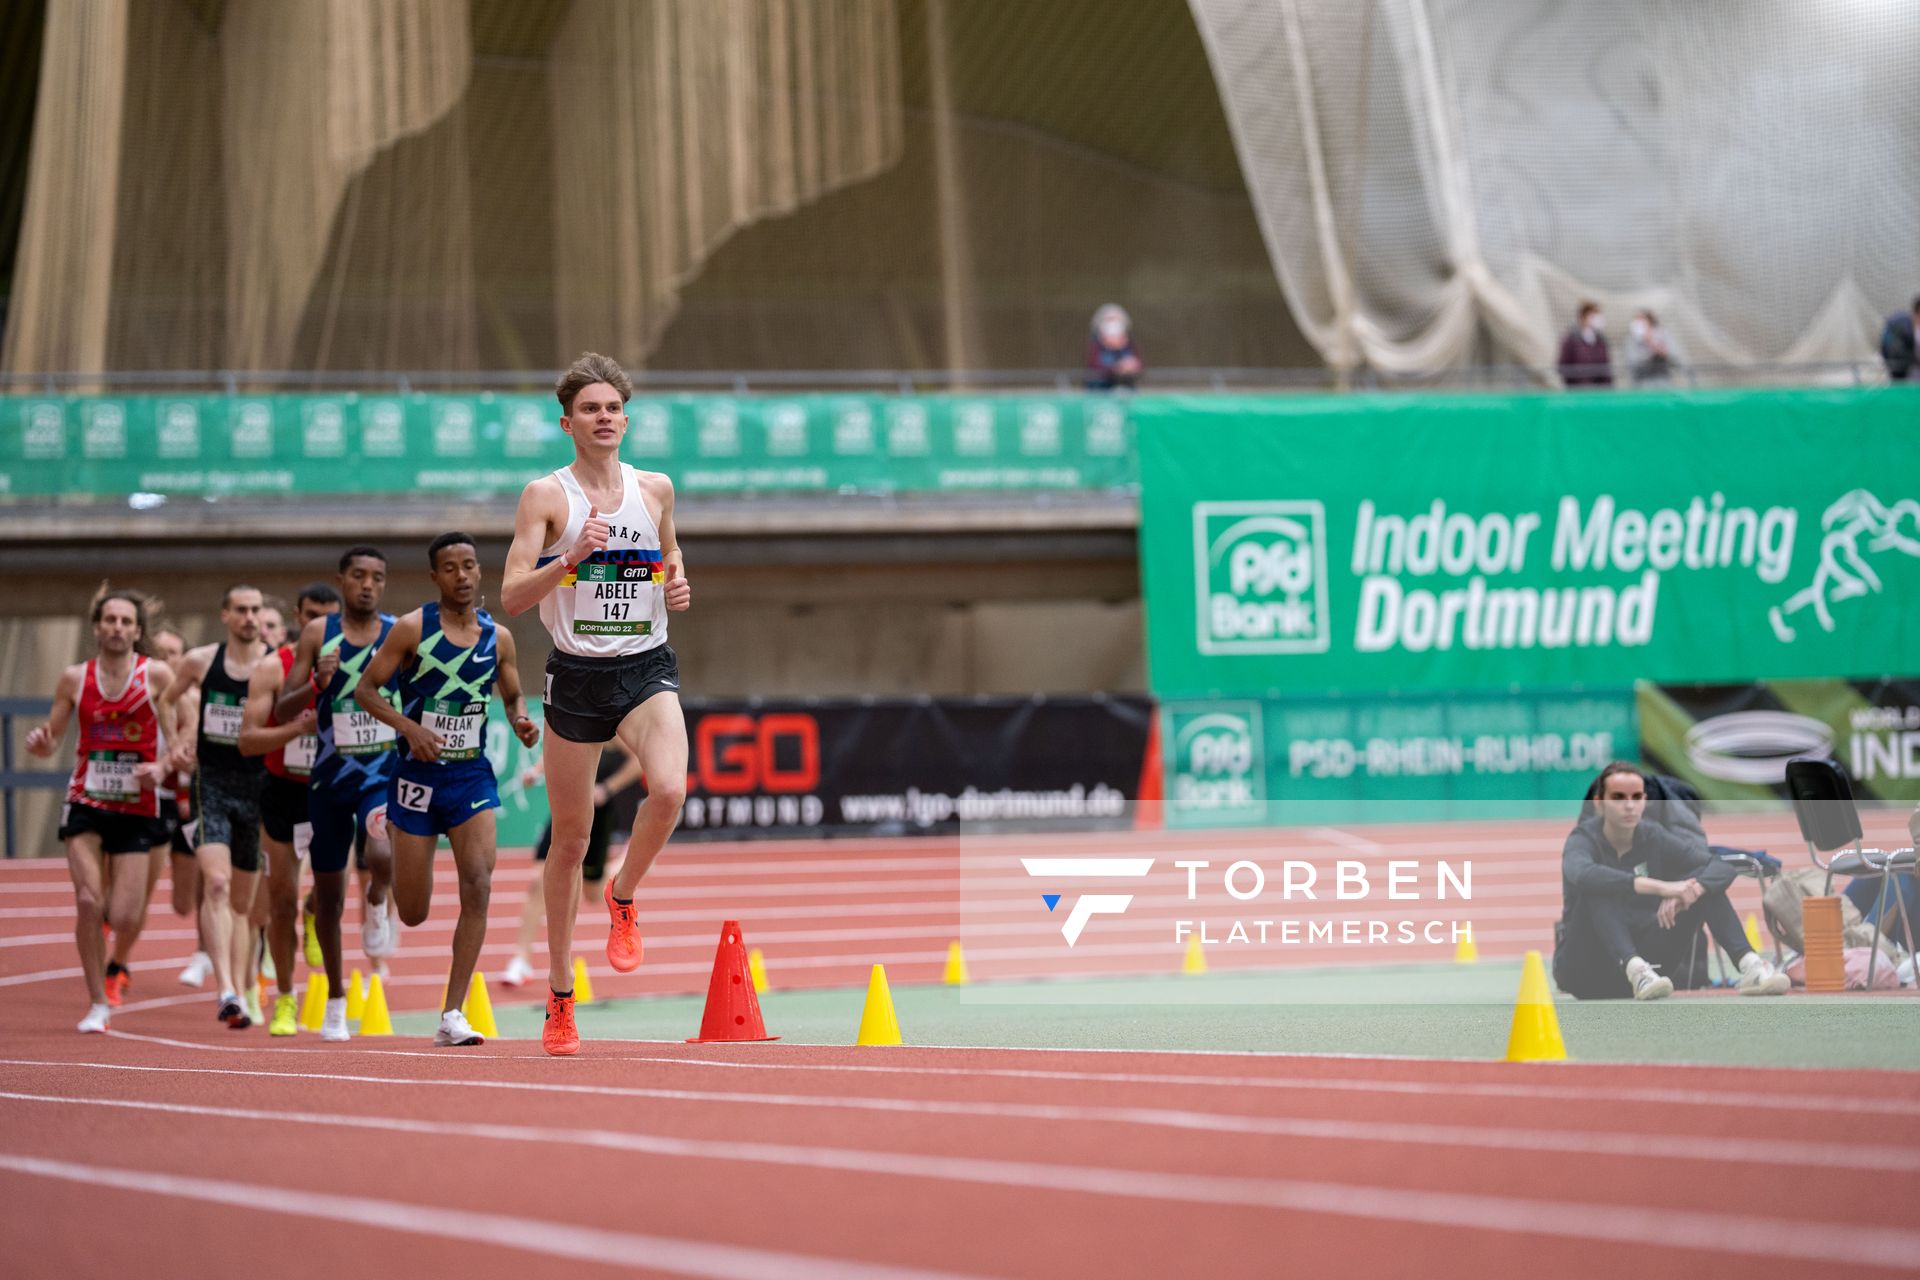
(118, 832)
(587, 698)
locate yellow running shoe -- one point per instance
(314, 958)
(286, 1019)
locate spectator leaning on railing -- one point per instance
(1112, 359)
(1583, 352)
(1650, 352)
(1897, 342)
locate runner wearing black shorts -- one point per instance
(226, 794)
(122, 699)
(594, 547)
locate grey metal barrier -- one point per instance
(14, 780)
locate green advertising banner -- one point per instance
(495, 443)
(1375, 544)
(1733, 742)
(1254, 761)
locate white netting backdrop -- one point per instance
(1437, 177)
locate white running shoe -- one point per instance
(198, 970)
(1759, 978)
(455, 1031)
(96, 1019)
(519, 973)
(333, 1023)
(252, 1001)
(376, 932)
(1647, 985)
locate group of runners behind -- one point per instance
(359, 737)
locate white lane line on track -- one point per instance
(1683, 1097)
(938, 956)
(1006, 922)
(539, 1236)
(1774, 1237)
(1642, 1146)
(1604, 1093)
(1346, 840)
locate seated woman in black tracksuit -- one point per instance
(1636, 893)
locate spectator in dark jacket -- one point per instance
(1897, 343)
(1636, 892)
(1112, 359)
(1583, 352)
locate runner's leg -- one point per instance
(656, 733)
(216, 911)
(474, 851)
(570, 771)
(84, 864)
(412, 874)
(283, 910)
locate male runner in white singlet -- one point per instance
(594, 547)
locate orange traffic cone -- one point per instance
(733, 1010)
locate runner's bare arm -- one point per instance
(43, 738)
(509, 679)
(297, 691)
(370, 693)
(679, 591)
(181, 700)
(540, 517)
(257, 736)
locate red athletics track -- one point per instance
(153, 1149)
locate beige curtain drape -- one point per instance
(57, 317)
(268, 185)
(679, 122)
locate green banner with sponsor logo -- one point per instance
(1258, 760)
(495, 443)
(1732, 742)
(1378, 544)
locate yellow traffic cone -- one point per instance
(315, 1007)
(582, 984)
(956, 974)
(1753, 932)
(757, 967)
(1195, 960)
(356, 996)
(374, 1019)
(1535, 1036)
(1465, 952)
(479, 1008)
(878, 1024)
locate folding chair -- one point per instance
(1823, 806)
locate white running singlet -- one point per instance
(612, 604)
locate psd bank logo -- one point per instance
(1260, 576)
(1219, 762)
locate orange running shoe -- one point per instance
(623, 941)
(559, 1036)
(117, 984)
